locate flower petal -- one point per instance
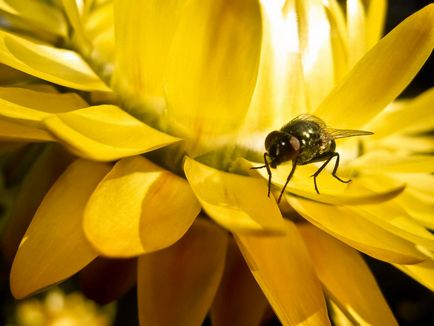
(105, 133)
(212, 66)
(351, 227)
(418, 206)
(282, 267)
(38, 14)
(139, 208)
(238, 203)
(12, 131)
(375, 19)
(408, 46)
(73, 13)
(63, 67)
(239, 300)
(422, 272)
(356, 31)
(357, 292)
(54, 246)
(184, 277)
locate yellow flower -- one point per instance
(197, 85)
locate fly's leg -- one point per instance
(294, 165)
(267, 167)
(335, 168)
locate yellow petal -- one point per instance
(239, 300)
(357, 292)
(54, 246)
(409, 144)
(316, 48)
(144, 32)
(376, 79)
(375, 19)
(418, 207)
(29, 106)
(212, 66)
(422, 272)
(351, 227)
(12, 131)
(238, 203)
(356, 31)
(49, 163)
(380, 161)
(73, 13)
(139, 208)
(105, 133)
(184, 277)
(396, 220)
(59, 66)
(37, 14)
(282, 267)
(361, 190)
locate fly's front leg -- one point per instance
(327, 157)
(294, 165)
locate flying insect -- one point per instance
(305, 139)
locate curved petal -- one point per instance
(54, 246)
(239, 300)
(105, 133)
(12, 131)
(282, 268)
(212, 67)
(138, 208)
(238, 203)
(59, 66)
(422, 272)
(376, 79)
(357, 293)
(184, 277)
(352, 228)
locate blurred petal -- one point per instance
(406, 144)
(139, 208)
(54, 246)
(282, 268)
(183, 278)
(48, 166)
(12, 131)
(38, 14)
(239, 300)
(356, 292)
(418, 206)
(382, 73)
(105, 133)
(238, 203)
(105, 280)
(422, 272)
(73, 13)
(356, 31)
(376, 161)
(375, 19)
(352, 228)
(144, 32)
(25, 105)
(212, 67)
(59, 66)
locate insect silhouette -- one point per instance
(305, 139)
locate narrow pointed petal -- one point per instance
(12, 131)
(30, 106)
(105, 133)
(356, 31)
(358, 232)
(239, 300)
(236, 202)
(375, 20)
(357, 292)
(139, 208)
(59, 66)
(184, 277)
(422, 272)
(212, 66)
(37, 13)
(54, 246)
(382, 73)
(282, 268)
(74, 15)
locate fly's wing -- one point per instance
(309, 117)
(344, 133)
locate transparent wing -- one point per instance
(309, 117)
(343, 133)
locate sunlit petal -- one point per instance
(183, 277)
(73, 13)
(105, 133)
(422, 272)
(282, 267)
(375, 19)
(408, 46)
(54, 246)
(356, 292)
(352, 228)
(238, 203)
(139, 208)
(356, 30)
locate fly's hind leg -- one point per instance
(327, 157)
